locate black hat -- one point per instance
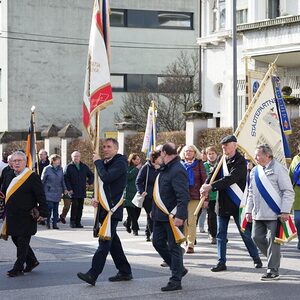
(228, 139)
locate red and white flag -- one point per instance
(98, 90)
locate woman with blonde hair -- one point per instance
(191, 160)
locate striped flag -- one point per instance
(286, 231)
(31, 145)
(98, 90)
(150, 137)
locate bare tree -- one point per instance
(177, 90)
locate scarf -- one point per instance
(189, 168)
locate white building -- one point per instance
(43, 50)
(266, 28)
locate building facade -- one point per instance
(43, 51)
(266, 29)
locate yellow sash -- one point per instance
(13, 186)
(178, 235)
(105, 229)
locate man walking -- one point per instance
(231, 185)
(112, 171)
(76, 175)
(24, 192)
(270, 198)
(171, 196)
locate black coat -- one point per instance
(237, 169)
(174, 190)
(76, 180)
(114, 177)
(29, 195)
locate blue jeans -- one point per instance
(222, 238)
(52, 207)
(297, 222)
(113, 246)
(165, 244)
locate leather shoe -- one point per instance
(171, 286)
(79, 225)
(257, 263)
(72, 225)
(29, 268)
(120, 277)
(87, 278)
(184, 272)
(14, 273)
(55, 227)
(219, 268)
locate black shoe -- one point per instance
(48, 226)
(14, 273)
(135, 232)
(171, 286)
(120, 277)
(72, 225)
(257, 263)
(148, 239)
(55, 227)
(87, 278)
(29, 268)
(185, 271)
(269, 277)
(219, 268)
(79, 225)
(195, 243)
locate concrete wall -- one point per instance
(48, 50)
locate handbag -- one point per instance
(138, 199)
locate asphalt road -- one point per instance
(62, 253)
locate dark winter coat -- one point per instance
(54, 184)
(174, 190)
(29, 195)
(114, 176)
(76, 180)
(237, 169)
(130, 190)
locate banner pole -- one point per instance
(35, 142)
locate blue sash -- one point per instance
(265, 194)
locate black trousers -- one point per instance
(212, 219)
(133, 214)
(148, 207)
(114, 247)
(24, 252)
(76, 210)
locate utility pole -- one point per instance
(234, 65)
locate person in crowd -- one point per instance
(7, 169)
(270, 198)
(231, 178)
(294, 172)
(54, 186)
(43, 161)
(145, 183)
(209, 165)
(76, 175)
(171, 191)
(112, 170)
(3, 162)
(190, 158)
(24, 192)
(133, 212)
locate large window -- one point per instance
(151, 83)
(273, 9)
(151, 19)
(242, 16)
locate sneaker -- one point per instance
(269, 277)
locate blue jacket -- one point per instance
(114, 177)
(76, 180)
(53, 182)
(173, 189)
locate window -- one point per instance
(242, 16)
(118, 17)
(273, 9)
(222, 13)
(118, 82)
(139, 83)
(175, 84)
(151, 19)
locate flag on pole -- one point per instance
(150, 137)
(98, 90)
(31, 145)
